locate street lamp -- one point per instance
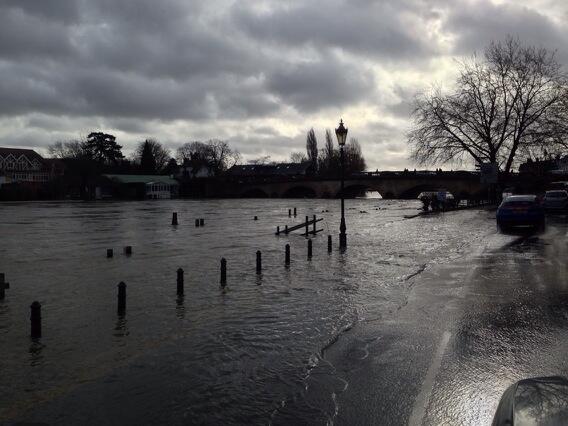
(341, 133)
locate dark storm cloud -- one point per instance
(475, 25)
(379, 28)
(321, 84)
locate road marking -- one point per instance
(424, 396)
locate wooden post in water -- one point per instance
(286, 229)
(196, 222)
(128, 250)
(287, 258)
(258, 262)
(223, 272)
(307, 226)
(294, 211)
(2, 287)
(256, 218)
(121, 306)
(110, 253)
(289, 212)
(314, 224)
(35, 319)
(329, 243)
(174, 218)
(278, 230)
(180, 282)
(309, 249)
(201, 222)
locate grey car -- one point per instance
(556, 200)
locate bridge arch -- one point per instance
(299, 191)
(254, 193)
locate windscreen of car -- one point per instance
(556, 194)
(519, 203)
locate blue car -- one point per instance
(520, 210)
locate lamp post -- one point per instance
(341, 133)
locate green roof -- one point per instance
(143, 179)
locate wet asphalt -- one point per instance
(467, 331)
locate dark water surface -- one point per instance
(253, 354)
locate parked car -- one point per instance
(556, 200)
(520, 210)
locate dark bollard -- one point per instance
(128, 250)
(223, 272)
(258, 262)
(286, 229)
(174, 218)
(201, 222)
(121, 297)
(109, 253)
(329, 243)
(289, 212)
(256, 218)
(35, 319)
(314, 224)
(277, 230)
(287, 259)
(180, 282)
(309, 249)
(3, 287)
(196, 223)
(294, 211)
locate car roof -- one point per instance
(521, 198)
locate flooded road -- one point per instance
(424, 320)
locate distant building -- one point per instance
(139, 186)
(270, 170)
(25, 165)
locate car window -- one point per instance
(519, 203)
(556, 194)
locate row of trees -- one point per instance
(150, 156)
(326, 161)
(509, 105)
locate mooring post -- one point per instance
(2, 287)
(289, 212)
(277, 230)
(286, 229)
(196, 223)
(174, 218)
(309, 249)
(287, 258)
(307, 226)
(258, 262)
(294, 211)
(329, 243)
(314, 224)
(256, 218)
(201, 222)
(128, 250)
(35, 318)
(180, 282)
(121, 307)
(110, 253)
(223, 272)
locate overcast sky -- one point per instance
(258, 74)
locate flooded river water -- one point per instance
(252, 354)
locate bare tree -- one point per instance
(354, 160)
(67, 149)
(152, 156)
(312, 149)
(215, 154)
(506, 105)
(298, 157)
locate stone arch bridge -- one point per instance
(402, 185)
